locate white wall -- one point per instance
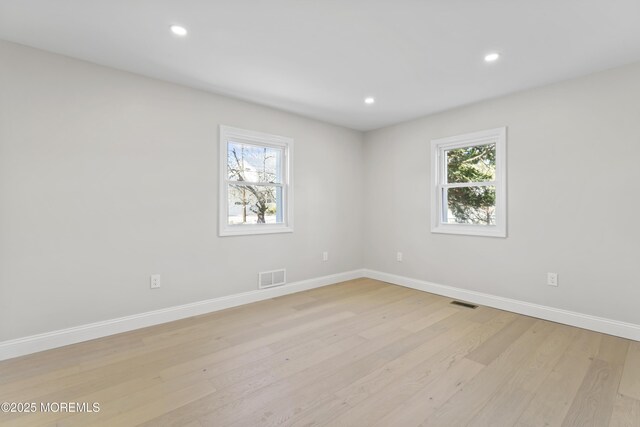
(107, 177)
(573, 156)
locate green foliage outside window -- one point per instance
(472, 204)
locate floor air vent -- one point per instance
(270, 279)
(464, 304)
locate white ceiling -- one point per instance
(320, 58)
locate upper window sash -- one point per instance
(272, 174)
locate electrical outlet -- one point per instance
(399, 257)
(325, 256)
(552, 279)
(155, 281)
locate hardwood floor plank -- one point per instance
(306, 387)
(170, 400)
(554, 396)
(511, 399)
(491, 349)
(396, 305)
(626, 412)
(307, 395)
(415, 325)
(630, 382)
(416, 360)
(593, 404)
(387, 389)
(416, 385)
(613, 350)
(307, 402)
(378, 406)
(464, 405)
(321, 414)
(423, 402)
(119, 371)
(414, 315)
(329, 333)
(426, 360)
(239, 399)
(483, 314)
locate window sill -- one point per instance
(470, 230)
(249, 230)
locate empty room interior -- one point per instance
(319, 213)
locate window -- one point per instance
(256, 192)
(468, 195)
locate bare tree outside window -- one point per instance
(256, 184)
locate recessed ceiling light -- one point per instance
(369, 100)
(492, 57)
(178, 30)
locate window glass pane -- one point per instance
(254, 163)
(255, 204)
(469, 205)
(471, 164)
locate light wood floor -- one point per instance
(360, 353)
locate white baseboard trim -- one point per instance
(35, 343)
(586, 321)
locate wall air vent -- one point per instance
(270, 279)
(464, 304)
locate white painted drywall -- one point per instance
(107, 177)
(573, 155)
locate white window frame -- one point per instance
(496, 136)
(265, 140)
